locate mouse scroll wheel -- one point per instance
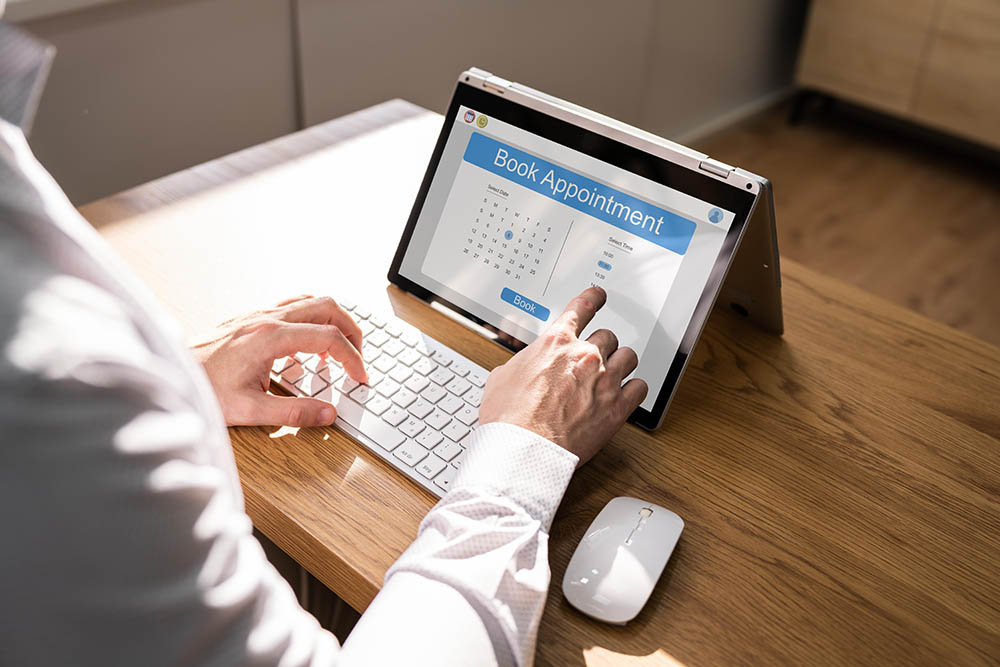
(645, 512)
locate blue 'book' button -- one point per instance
(525, 304)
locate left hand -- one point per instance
(239, 357)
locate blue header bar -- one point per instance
(635, 216)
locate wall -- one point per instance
(141, 89)
(672, 67)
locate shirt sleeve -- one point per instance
(128, 543)
(479, 564)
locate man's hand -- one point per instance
(565, 389)
(238, 359)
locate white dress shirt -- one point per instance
(125, 537)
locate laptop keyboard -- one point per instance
(419, 407)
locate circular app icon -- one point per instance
(482, 120)
(715, 215)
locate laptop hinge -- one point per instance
(715, 167)
(497, 83)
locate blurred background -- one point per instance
(877, 120)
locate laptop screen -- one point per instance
(515, 224)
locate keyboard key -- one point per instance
(460, 368)
(377, 404)
(374, 377)
(477, 378)
(293, 373)
(388, 387)
(473, 397)
(450, 404)
(442, 358)
(370, 353)
(314, 363)
(331, 372)
(410, 453)
(395, 415)
(311, 384)
(290, 387)
(393, 347)
(429, 438)
(456, 430)
(363, 393)
(458, 386)
(442, 376)
(445, 477)
(434, 393)
(417, 383)
(346, 384)
(394, 329)
(400, 372)
(366, 328)
(421, 408)
(377, 320)
(354, 414)
(425, 366)
(403, 397)
(448, 449)
(361, 312)
(467, 415)
(409, 356)
(459, 460)
(280, 365)
(438, 419)
(347, 304)
(412, 426)
(379, 338)
(384, 363)
(412, 337)
(431, 466)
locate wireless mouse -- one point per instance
(620, 558)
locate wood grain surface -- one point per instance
(839, 484)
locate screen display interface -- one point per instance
(515, 225)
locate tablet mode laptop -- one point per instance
(528, 199)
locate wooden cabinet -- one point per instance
(959, 88)
(933, 61)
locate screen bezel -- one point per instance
(609, 150)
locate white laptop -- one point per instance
(527, 200)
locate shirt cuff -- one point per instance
(518, 464)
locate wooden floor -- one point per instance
(908, 219)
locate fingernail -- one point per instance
(327, 415)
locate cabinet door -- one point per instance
(959, 87)
(866, 50)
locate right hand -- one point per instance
(565, 389)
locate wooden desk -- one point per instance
(840, 484)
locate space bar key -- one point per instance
(354, 414)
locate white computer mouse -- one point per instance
(620, 558)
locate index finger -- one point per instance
(295, 337)
(581, 310)
(323, 310)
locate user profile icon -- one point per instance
(715, 215)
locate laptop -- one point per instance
(527, 200)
